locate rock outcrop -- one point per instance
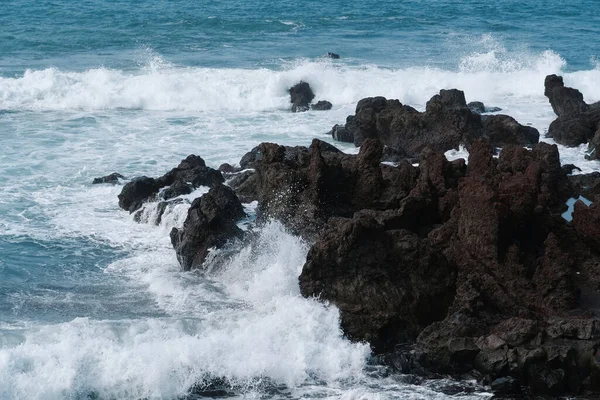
(301, 96)
(190, 174)
(321, 105)
(210, 224)
(112, 179)
(578, 122)
(446, 124)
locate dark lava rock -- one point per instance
(304, 187)
(506, 386)
(112, 178)
(178, 188)
(446, 123)
(577, 122)
(301, 96)
(569, 168)
(333, 55)
(250, 158)
(396, 155)
(501, 130)
(245, 186)
(226, 168)
(321, 105)
(190, 174)
(210, 223)
(564, 100)
(388, 283)
(586, 221)
(586, 185)
(136, 192)
(477, 107)
(341, 134)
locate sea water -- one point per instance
(92, 304)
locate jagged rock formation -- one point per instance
(577, 122)
(446, 123)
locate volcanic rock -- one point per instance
(321, 105)
(112, 178)
(300, 96)
(210, 223)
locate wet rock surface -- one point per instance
(446, 123)
(112, 179)
(578, 122)
(301, 95)
(190, 174)
(210, 224)
(445, 268)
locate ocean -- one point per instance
(92, 304)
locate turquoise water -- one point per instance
(92, 304)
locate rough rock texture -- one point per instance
(501, 130)
(389, 284)
(210, 223)
(446, 123)
(136, 192)
(300, 96)
(303, 187)
(479, 108)
(577, 122)
(321, 105)
(191, 173)
(516, 286)
(586, 185)
(112, 178)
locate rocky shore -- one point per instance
(464, 268)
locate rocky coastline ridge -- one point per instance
(464, 268)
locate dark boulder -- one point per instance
(476, 107)
(577, 122)
(178, 188)
(226, 168)
(138, 191)
(586, 221)
(569, 168)
(210, 223)
(250, 158)
(190, 174)
(446, 123)
(301, 96)
(245, 185)
(388, 284)
(565, 101)
(321, 105)
(341, 134)
(112, 179)
(333, 56)
(501, 130)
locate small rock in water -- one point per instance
(112, 178)
(321, 105)
(480, 108)
(333, 55)
(300, 96)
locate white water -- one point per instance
(247, 322)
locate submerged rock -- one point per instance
(112, 178)
(300, 96)
(333, 55)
